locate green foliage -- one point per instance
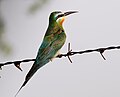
(4, 45)
(37, 5)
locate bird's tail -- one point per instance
(33, 69)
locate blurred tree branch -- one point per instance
(37, 5)
(4, 47)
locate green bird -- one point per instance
(53, 40)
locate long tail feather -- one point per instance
(28, 76)
(21, 88)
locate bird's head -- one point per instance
(59, 17)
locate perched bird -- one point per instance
(53, 40)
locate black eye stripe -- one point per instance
(61, 15)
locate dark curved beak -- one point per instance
(66, 13)
(70, 12)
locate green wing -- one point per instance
(49, 47)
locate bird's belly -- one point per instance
(58, 52)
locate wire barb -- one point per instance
(101, 53)
(69, 52)
(17, 64)
(102, 56)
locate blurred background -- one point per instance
(22, 26)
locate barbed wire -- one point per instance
(68, 54)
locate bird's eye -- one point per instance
(57, 13)
(60, 15)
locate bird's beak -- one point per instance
(70, 12)
(66, 14)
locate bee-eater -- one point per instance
(53, 40)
